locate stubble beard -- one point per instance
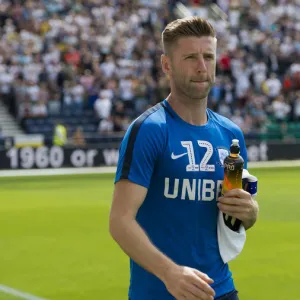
(191, 92)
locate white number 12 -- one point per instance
(192, 166)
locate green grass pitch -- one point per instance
(55, 242)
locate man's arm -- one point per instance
(254, 208)
(127, 199)
(182, 282)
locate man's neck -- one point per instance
(191, 111)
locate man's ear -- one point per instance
(165, 63)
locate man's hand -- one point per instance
(186, 283)
(239, 204)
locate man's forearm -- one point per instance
(249, 223)
(135, 243)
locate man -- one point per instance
(169, 176)
(60, 137)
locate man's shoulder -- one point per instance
(153, 119)
(224, 122)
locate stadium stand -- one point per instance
(95, 64)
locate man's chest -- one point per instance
(190, 154)
(192, 166)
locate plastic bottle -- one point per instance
(233, 171)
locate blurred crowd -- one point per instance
(258, 63)
(104, 55)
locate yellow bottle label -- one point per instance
(232, 180)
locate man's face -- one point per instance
(191, 66)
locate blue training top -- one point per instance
(181, 165)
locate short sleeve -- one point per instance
(142, 145)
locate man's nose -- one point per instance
(201, 65)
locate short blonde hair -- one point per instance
(189, 26)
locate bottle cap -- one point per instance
(235, 147)
(235, 142)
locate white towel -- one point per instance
(231, 243)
